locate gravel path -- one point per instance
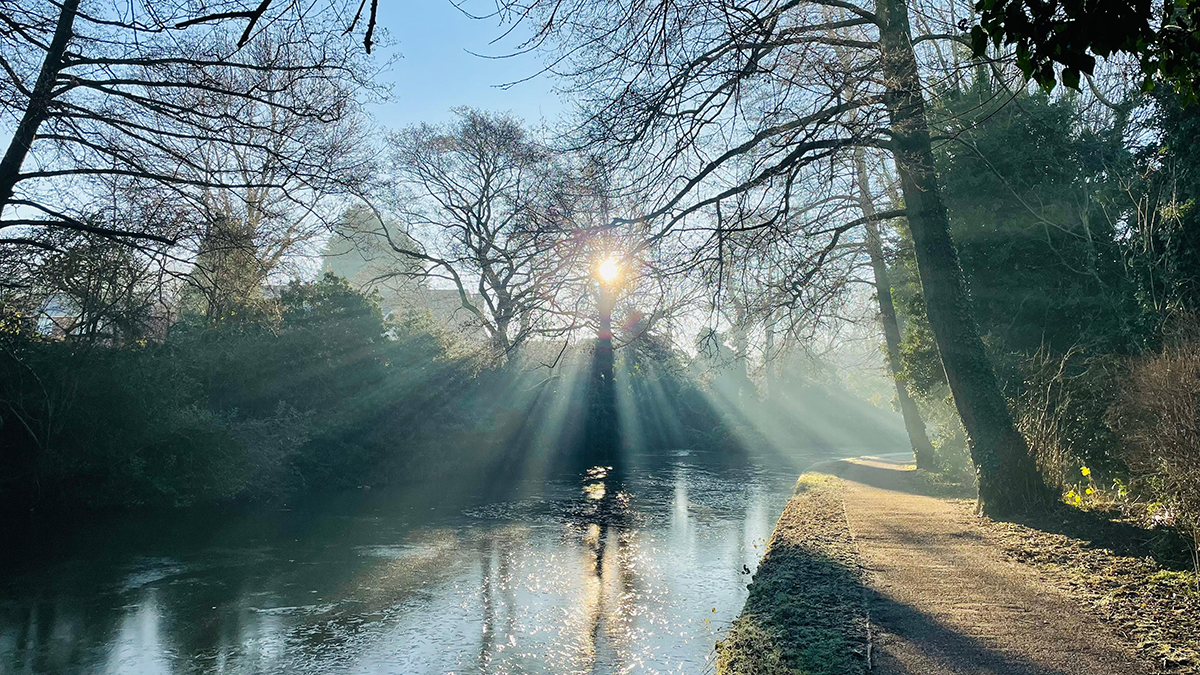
(943, 601)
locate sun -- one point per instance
(609, 270)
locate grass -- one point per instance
(1138, 580)
(806, 613)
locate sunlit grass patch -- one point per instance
(813, 480)
(1185, 580)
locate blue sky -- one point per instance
(437, 71)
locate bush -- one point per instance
(952, 457)
(129, 427)
(1158, 420)
(1061, 410)
(317, 391)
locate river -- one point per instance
(581, 572)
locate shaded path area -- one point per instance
(943, 601)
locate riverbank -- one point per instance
(920, 584)
(806, 612)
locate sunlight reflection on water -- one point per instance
(586, 574)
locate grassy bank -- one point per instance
(806, 613)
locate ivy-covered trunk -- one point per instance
(1009, 481)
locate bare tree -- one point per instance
(723, 101)
(291, 173)
(99, 291)
(918, 438)
(106, 97)
(490, 215)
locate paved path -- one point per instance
(943, 601)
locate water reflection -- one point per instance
(596, 572)
(608, 539)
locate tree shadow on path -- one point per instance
(810, 610)
(1095, 529)
(906, 628)
(1105, 530)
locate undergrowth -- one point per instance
(1138, 580)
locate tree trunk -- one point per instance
(38, 108)
(917, 437)
(1009, 481)
(769, 353)
(500, 344)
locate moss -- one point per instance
(806, 612)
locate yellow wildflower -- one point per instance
(1085, 471)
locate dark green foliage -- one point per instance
(1077, 251)
(1033, 208)
(124, 426)
(1154, 411)
(1165, 240)
(1072, 33)
(365, 386)
(1031, 214)
(320, 392)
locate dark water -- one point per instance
(598, 573)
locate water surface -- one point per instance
(580, 573)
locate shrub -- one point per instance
(1061, 410)
(1158, 420)
(318, 391)
(952, 457)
